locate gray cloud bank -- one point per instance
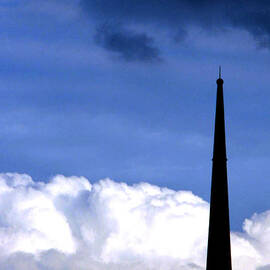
(177, 15)
(68, 223)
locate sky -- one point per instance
(126, 90)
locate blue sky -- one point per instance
(128, 92)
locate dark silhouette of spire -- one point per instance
(219, 248)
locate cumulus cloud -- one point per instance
(69, 223)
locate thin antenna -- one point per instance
(219, 72)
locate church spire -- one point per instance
(219, 248)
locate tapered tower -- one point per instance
(219, 247)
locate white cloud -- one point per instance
(70, 224)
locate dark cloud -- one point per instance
(252, 16)
(128, 45)
(255, 18)
(166, 12)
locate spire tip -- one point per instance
(219, 80)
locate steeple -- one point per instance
(219, 248)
